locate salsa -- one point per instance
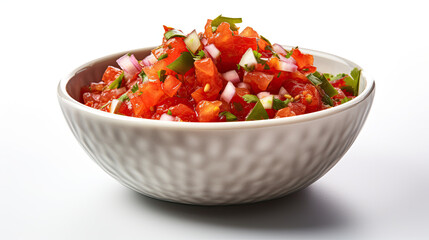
(220, 74)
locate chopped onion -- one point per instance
(267, 101)
(263, 94)
(204, 41)
(127, 64)
(283, 91)
(287, 60)
(115, 105)
(286, 67)
(243, 85)
(231, 76)
(248, 59)
(213, 51)
(149, 60)
(279, 49)
(166, 117)
(228, 92)
(135, 62)
(192, 41)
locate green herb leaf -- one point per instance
(238, 66)
(249, 98)
(257, 113)
(135, 88)
(117, 83)
(165, 55)
(229, 116)
(279, 104)
(169, 112)
(161, 75)
(289, 54)
(345, 99)
(143, 76)
(232, 21)
(182, 64)
(353, 81)
(319, 80)
(173, 33)
(200, 55)
(266, 40)
(124, 98)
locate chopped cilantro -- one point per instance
(319, 80)
(161, 75)
(247, 68)
(143, 76)
(279, 104)
(238, 66)
(257, 113)
(232, 21)
(345, 99)
(200, 55)
(135, 88)
(124, 98)
(249, 98)
(229, 116)
(169, 112)
(117, 83)
(353, 81)
(183, 63)
(266, 40)
(165, 55)
(173, 33)
(238, 106)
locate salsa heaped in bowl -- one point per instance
(221, 74)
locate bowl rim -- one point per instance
(63, 95)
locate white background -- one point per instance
(50, 189)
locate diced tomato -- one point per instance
(259, 81)
(126, 109)
(111, 74)
(184, 112)
(208, 77)
(171, 85)
(232, 47)
(285, 112)
(208, 32)
(249, 32)
(110, 94)
(208, 111)
(151, 93)
(297, 108)
(303, 61)
(139, 108)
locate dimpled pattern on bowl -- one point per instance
(211, 166)
(222, 166)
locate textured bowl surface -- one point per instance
(215, 163)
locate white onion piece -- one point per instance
(231, 76)
(127, 65)
(248, 59)
(192, 41)
(243, 85)
(115, 105)
(286, 67)
(283, 91)
(287, 60)
(213, 51)
(279, 49)
(263, 94)
(267, 101)
(204, 41)
(228, 92)
(166, 117)
(149, 60)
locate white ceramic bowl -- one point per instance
(215, 163)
